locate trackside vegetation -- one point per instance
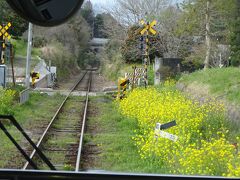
(204, 146)
(31, 116)
(220, 82)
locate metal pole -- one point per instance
(146, 60)
(11, 58)
(29, 49)
(1, 49)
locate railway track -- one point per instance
(62, 139)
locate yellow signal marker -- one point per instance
(3, 31)
(148, 27)
(144, 30)
(142, 22)
(153, 23)
(153, 31)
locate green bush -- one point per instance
(39, 42)
(235, 59)
(150, 75)
(6, 101)
(61, 58)
(113, 60)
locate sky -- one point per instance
(101, 1)
(112, 1)
(99, 4)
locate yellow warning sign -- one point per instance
(3, 31)
(148, 27)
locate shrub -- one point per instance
(61, 58)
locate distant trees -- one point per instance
(65, 45)
(99, 27)
(170, 43)
(88, 14)
(8, 15)
(209, 19)
(235, 36)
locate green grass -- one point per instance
(20, 47)
(114, 139)
(31, 116)
(220, 82)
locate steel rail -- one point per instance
(83, 126)
(51, 122)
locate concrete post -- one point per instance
(3, 76)
(29, 50)
(157, 65)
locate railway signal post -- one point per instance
(146, 31)
(3, 37)
(4, 45)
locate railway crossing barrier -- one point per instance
(122, 87)
(34, 76)
(135, 76)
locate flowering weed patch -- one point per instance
(6, 101)
(203, 146)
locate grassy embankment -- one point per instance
(20, 49)
(217, 82)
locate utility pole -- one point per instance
(29, 50)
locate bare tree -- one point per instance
(129, 12)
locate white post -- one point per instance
(157, 66)
(29, 50)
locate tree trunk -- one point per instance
(208, 39)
